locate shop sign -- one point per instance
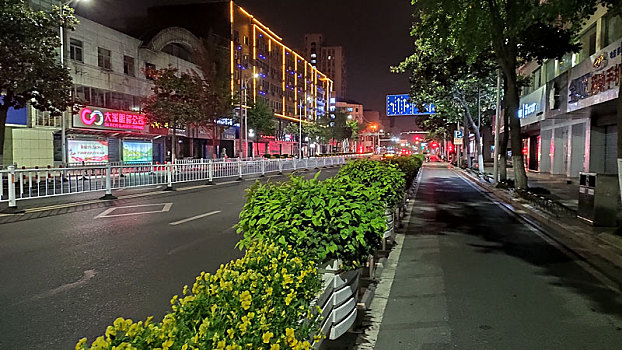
(87, 151)
(596, 80)
(105, 119)
(225, 121)
(530, 109)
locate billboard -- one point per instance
(400, 105)
(87, 151)
(137, 151)
(107, 119)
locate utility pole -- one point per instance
(497, 126)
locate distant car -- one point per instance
(387, 156)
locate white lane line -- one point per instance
(195, 218)
(106, 214)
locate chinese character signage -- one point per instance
(87, 151)
(105, 119)
(596, 79)
(400, 105)
(531, 108)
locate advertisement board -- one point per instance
(87, 151)
(137, 151)
(106, 119)
(596, 79)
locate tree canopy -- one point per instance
(512, 31)
(30, 69)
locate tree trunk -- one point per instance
(503, 148)
(619, 122)
(467, 142)
(518, 162)
(215, 140)
(3, 115)
(478, 144)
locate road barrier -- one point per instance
(23, 184)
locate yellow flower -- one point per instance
(267, 336)
(245, 299)
(275, 347)
(81, 344)
(221, 345)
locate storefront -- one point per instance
(531, 114)
(592, 93)
(102, 135)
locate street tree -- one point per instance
(456, 86)
(30, 69)
(177, 100)
(261, 118)
(514, 31)
(211, 58)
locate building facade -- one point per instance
(110, 68)
(330, 60)
(568, 113)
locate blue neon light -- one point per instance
(400, 105)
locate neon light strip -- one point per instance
(254, 66)
(283, 80)
(290, 118)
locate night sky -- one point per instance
(374, 34)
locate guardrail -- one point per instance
(23, 184)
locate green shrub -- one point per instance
(262, 301)
(409, 165)
(385, 178)
(332, 219)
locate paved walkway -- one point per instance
(471, 276)
(562, 189)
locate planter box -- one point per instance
(338, 299)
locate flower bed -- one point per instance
(262, 301)
(282, 294)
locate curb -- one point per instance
(601, 254)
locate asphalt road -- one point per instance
(68, 272)
(472, 276)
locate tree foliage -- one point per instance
(177, 98)
(513, 31)
(261, 118)
(30, 69)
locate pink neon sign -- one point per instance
(98, 119)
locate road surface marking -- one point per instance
(192, 188)
(106, 214)
(194, 218)
(86, 276)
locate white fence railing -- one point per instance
(22, 184)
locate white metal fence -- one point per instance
(22, 184)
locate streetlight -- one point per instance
(244, 106)
(62, 62)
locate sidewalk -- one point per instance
(600, 246)
(562, 189)
(471, 275)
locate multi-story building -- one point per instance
(109, 69)
(568, 113)
(353, 109)
(330, 59)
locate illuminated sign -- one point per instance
(137, 151)
(87, 151)
(99, 118)
(400, 105)
(526, 110)
(225, 121)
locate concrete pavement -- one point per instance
(68, 272)
(472, 276)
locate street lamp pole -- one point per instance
(300, 132)
(244, 110)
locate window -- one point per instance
(149, 69)
(128, 65)
(611, 29)
(550, 70)
(537, 79)
(588, 43)
(103, 58)
(75, 50)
